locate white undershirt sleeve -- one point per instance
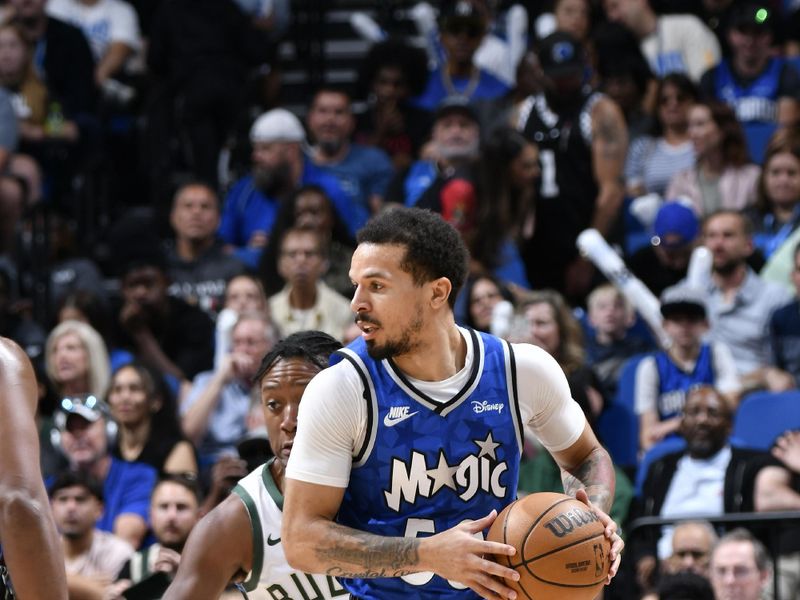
(545, 400)
(330, 424)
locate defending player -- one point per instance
(408, 448)
(30, 544)
(240, 540)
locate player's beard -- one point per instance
(404, 344)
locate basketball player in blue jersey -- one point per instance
(240, 540)
(408, 447)
(31, 560)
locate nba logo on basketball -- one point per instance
(567, 521)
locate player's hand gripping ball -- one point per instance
(562, 551)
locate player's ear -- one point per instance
(440, 291)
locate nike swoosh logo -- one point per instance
(272, 542)
(392, 421)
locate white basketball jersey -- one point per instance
(272, 578)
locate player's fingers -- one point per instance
(497, 570)
(617, 544)
(612, 571)
(487, 547)
(492, 588)
(482, 523)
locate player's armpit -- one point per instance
(219, 547)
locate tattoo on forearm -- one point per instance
(364, 555)
(596, 475)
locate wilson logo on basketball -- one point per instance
(570, 520)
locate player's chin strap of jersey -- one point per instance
(240, 587)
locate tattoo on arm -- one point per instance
(364, 555)
(593, 474)
(610, 138)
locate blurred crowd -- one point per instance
(166, 216)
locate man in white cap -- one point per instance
(279, 169)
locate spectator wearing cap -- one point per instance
(740, 303)
(760, 86)
(443, 180)
(363, 172)
(583, 140)
(164, 331)
(462, 27)
(279, 168)
(710, 477)
(84, 432)
(92, 557)
(670, 43)
(665, 261)
(663, 379)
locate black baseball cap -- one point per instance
(560, 54)
(461, 15)
(753, 16)
(456, 104)
(683, 300)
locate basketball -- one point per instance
(561, 549)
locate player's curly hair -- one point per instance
(433, 247)
(314, 346)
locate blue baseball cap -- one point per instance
(676, 225)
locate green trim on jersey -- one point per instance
(272, 487)
(258, 538)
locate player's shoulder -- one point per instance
(532, 356)
(341, 373)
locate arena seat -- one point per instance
(763, 416)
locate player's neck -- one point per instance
(433, 359)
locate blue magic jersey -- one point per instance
(674, 382)
(425, 466)
(757, 101)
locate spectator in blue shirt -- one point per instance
(363, 172)
(84, 433)
(462, 28)
(279, 168)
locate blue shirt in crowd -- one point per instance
(248, 210)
